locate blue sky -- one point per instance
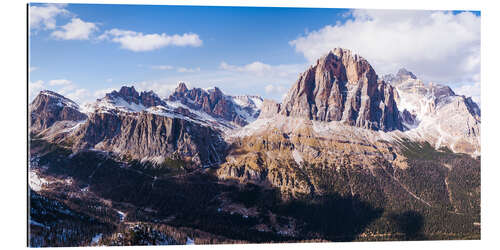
(84, 51)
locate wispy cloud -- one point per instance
(260, 69)
(162, 89)
(32, 68)
(60, 82)
(271, 89)
(102, 92)
(75, 30)
(62, 86)
(472, 90)
(138, 42)
(79, 95)
(178, 69)
(255, 67)
(162, 67)
(188, 70)
(34, 88)
(255, 78)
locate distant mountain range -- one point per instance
(340, 129)
(342, 88)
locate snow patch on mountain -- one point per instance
(62, 101)
(36, 182)
(107, 104)
(441, 117)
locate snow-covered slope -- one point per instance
(208, 107)
(131, 102)
(237, 111)
(434, 113)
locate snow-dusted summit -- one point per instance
(434, 112)
(237, 110)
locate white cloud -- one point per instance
(187, 70)
(70, 90)
(437, 46)
(271, 89)
(472, 90)
(32, 69)
(34, 88)
(162, 67)
(67, 88)
(60, 82)
(178, 69)
(75, 30)
(235, 79)
(162, 89)
(102, 92)
(255, 67)
(261, 69)
(137, 41)
(45, 16)
(109, 80)
(79, 95)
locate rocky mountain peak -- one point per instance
(49, 107)
(150, 99)
(181, 88)
(129, 92)
(406, 81)
(218, 105)
(342, 86)
(215, 93)
(405, 74)
(429, 109)
(55, 98)
(131, 96)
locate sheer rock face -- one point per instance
(144, 135)
(218, 105)
(49, 107)
(342, 86)
(212, 102)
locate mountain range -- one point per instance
(394, 142)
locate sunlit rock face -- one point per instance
(343, 86)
